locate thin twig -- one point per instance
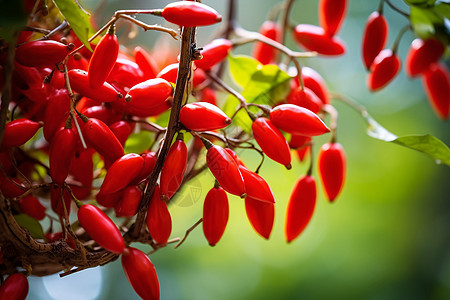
(189, 230)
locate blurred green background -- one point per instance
(386, 237)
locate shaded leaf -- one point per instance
(424, 21)
(77, 18)
(427, 144)
(30, 224)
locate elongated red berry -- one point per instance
(331, 15)
(125, 73)
(128, 204)
(314, 38)
(121, 173)
(147, 168)
(300, 207)
(332, 169)
(41, 53)
(18, 132)
(98, 135)
(62, 150)
(149, 94)
(316, 83)
(262, 52)
(305, 98)
(32, 207)
(103, 59)
(146, 62)
(190, 14)
(82, 171)
(56, 112)
(202, 116)
(421, 54)
(261, 216)
(225, 170)
(15, 287)
(271, 141)
(383, 70)
(79, 82)
(58, 194)
(213, 53)
(302, 145)
(374, 38)
(215, 215)
(256, 187)
(11, 187)
(101, 228)
(141, 273)
(436, 82)
(121, 130)
(159, 221)
(173, 169)
(297, 120)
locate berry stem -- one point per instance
(398, 38)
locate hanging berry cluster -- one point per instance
(89, 105)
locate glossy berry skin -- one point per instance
(225, 170)
(316, 83)
(121, 130)
(32, 207)
(261, 216)
(56, 112)
(203, 116)
(374, 38)
(215, 215)
(214, 53)
(255, 186)
(332, 169)
(314, 38)
(103, 59)
(300, 207)
(101, 228)
(146, 62)
(149, 94)
(41, 53)
(173, 169)
(159, 221)
(383, 70)
(129, 202)
(305, 98)
(331, 15)
(58, 194)
(98, 135)
(262, 52)
(147, 168)
(297, 120)
(141, 273)
(15, 287)
(436, 83)
(79, 81)
(62, 150)
(18, 132)
(190, 14)
(121, 173)
(271, 141)
(421, 54)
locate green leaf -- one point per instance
(424, 21)
(77, 18)
(420, 2)
(242, 68)
(427, 144)
(443, 9)
(30, 224)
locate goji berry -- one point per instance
(256, 187)
(214, 53)
(421, 54)
(331, 15)
(173, 169)
(374, 38)
(261, 216)
(262, 52)
(15, 287)
(215, 215)
(190, 14)
(202, 116)
(314, 38)
(383, 70)
(332, 164)
(32, 207)
(436, 82)
(41, 53)
(159, 222)
(18, 132)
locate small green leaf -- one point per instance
(420, 2)
(77, 18)
(30, 224)
(443, 9)
(139, 142)
(427, 144)
(242, 68)
(424, 21)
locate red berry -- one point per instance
(32, 207)
(129, 202)
(215, 215)
(262, 52)
(214, 53)
(225, 170)
(173, 169)
(159, 222)
(15, 287)
(56, 112)
(190, 14)
(141, 273)
(297, 120)
(103, 59)
(305, 98)
(82, 171)
(18, 132)
(79, 82)
(436, 82)
(315, 82)
(149, 95)
(121, 130)
(271, 141)
(203, 116)
(255, 186)
(41, 53)
(300, 207)
(331, 15)
(146, 63)
(374, 37)
(383, 70)
(100, 228)
(125, 73)
(147, 168)
(57, 194)
(261, 216)
(314, 38)
(62, 150)
(421, 55)
(332, 164)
